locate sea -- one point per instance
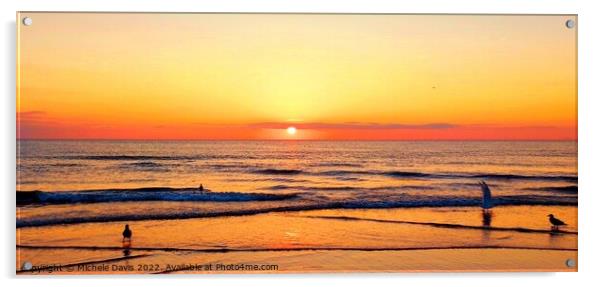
(87, 181)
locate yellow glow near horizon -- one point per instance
(138, 72)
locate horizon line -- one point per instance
(291, 140)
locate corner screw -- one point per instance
(27, 21)
(570, 263)
(570, 24)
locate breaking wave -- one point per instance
(275, 171)
(571, 189)
(141, 194)
(411, 174)
(396, 201)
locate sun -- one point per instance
(291, 130)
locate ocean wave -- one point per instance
(125, 157)
(413, 174)
(337, 164)
(395, 201)
(144, 166)
(342, 170)
(269, 179)
(523, 177)
(571, 189)
(46, 221)
(349, 178)
(467, 185)
(141, 194)
(407, 174)
(276, 171)
(312, 188)
(348, 188)
(65, 164)
(154, 157)
(404, 200)
(226, 166)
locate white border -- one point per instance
(590, 140)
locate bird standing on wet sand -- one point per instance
(555, 222)
(127, 233)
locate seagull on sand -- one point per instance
(486, 203)
(127, 233)
(555, 222)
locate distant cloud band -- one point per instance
(355, 126)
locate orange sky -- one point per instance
(250, 76)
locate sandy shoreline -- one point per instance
(442, 260)
(359, 240)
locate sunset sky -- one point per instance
(252, 76)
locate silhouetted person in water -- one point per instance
(555, 222)
(486, 202)
(127, 233)
(201, 188)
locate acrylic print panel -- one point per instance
(275, 143)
